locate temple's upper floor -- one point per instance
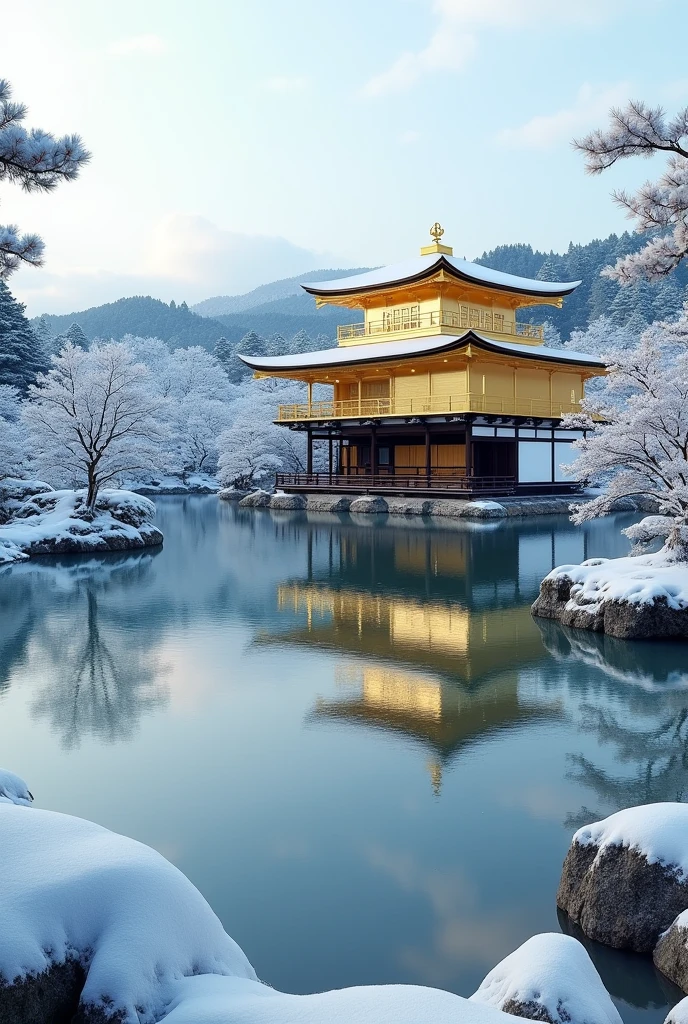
(438, 293)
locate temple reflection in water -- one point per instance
(433, 626)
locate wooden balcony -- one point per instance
(403, 322)
(432, 405)
(407, 481)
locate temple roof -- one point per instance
(420, 267)
(393, 351)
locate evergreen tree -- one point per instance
(21, 354)
(277, 345)
(666, 303)
(252, 345)
(224, 353)
(42, 330)
(301, 342)
(73, 334)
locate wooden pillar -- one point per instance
(428, 454)
(309, 457)
(373, 451)
(359, 396)
(310, 397)
(329, 452)
(469, 449)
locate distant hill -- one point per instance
(222, 305)
(144, 316)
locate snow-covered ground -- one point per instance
(55, 522)
(194, 483)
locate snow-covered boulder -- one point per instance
(287, 502)
(58, 522)
(625, 879)
(410, 506)
(328, 502)
(483, 510)
(369, 503)
(231, 494)
(13, 789)
(256, 499)
(671, 954)
(549, 978)
(13, 492)
(637, 597)
(94, 918)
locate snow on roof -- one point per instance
(418, 267)
(375, 352)
(657, 831)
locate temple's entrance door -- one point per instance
(494, 458)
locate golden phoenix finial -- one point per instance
(436, 231)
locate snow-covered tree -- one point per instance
(224, 353)
(38, 162)
(602, 336)
(93, 417)
(661, 207)
(73, 335)
(639, 419)
(254, 447)
(43, 331)
(21, 354)
(552, 335)
(14, 444)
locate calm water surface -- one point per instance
(353, 738)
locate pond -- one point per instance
(353, 738)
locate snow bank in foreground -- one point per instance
(659, 832)
(71, 888)
(213, 1000)
(637, 579)
(551, 973)
(57, 522)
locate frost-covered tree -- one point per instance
(254, 447)
(224, 353)
(74, 336)
(21, 354)
(552, 335)
(639, 440)
(38, 162)
(44, 334)
(94, 417)
(14, 443)
(602, 336)
(661, 207)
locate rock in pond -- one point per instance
(256, 499)
(328, 502)
(369, 503)
(671, 956)
(678, 1014)
(288, 502)
(231, 494)
(549, 978)
(625, 879)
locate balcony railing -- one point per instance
(398, 482)
(371, 408)
(465, 317)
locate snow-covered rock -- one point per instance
(369, 503)
(328, 502)
(83, 906)
(625, 879)
(13, 789)
(410, 506)
(194, 483)
(13, 492)
(484, 510)
(231, 494)
(549, 978)
(59, 522)
(256, 499)
(287, 502)
(637, 597)
(671, 955)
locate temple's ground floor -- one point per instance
(459, 456)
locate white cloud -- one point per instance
(447, 51)
(459, 23)
(185, 257)
(150, 45)
(286, 83)
(410, 137)
(590, 107)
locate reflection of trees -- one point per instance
(103, 685)
(636, 703)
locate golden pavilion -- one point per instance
(440, 389)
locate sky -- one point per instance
(238, 142)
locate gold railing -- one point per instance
(462, 319)
(430, 405)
